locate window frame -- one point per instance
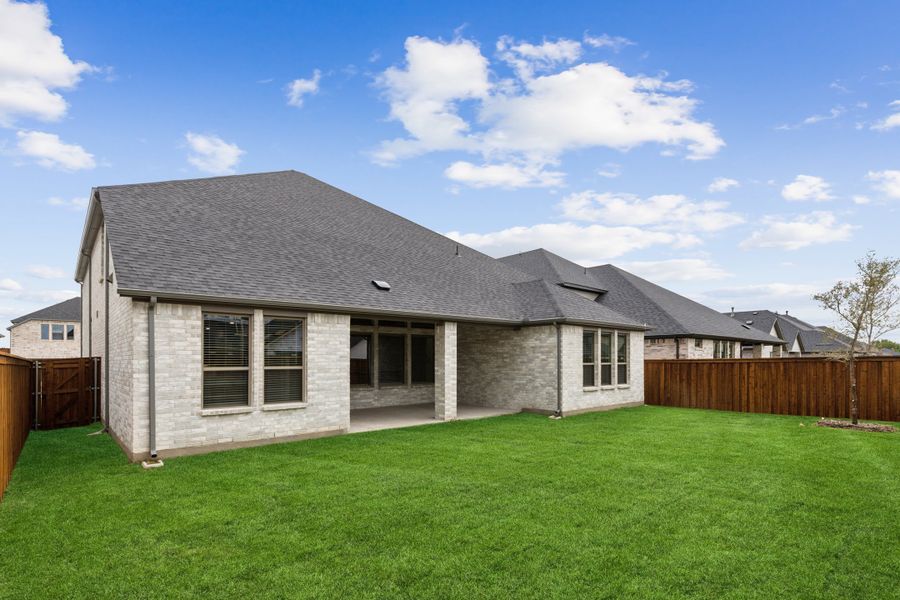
(250, 355)
(373, 327)
(301, 367)
(698, 343)
(627, 361)
(609, 334)
(589, 366)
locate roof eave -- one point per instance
(92, 224)
(336, 308)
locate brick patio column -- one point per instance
(445, 371)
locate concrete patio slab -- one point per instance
(392, 417)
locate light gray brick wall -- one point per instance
(121, 362)
(445, 371)
(25, 341)
(575, 397)
(181, 420)
(661, 349)
(394, 395)
(507, 367)
(666, 350)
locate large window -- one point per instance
(391, 358)
(283, 360)
(588, 358)
(361, 359)
(622, 358)
(56, 331)
(226, 360)
(421, 355)
(390, 352)
(722, 349)
(605, 358)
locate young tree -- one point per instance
(867, 308)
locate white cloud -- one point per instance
(527, 59)
(299, 88)
(722, 184)
(891, 121)
(51, 152)
(665, 211)
(33, 64)
(531, 119)
(211, 154)
(799, 232)
(587, 244)
(10, 285)
(45, 272)
(677, 269)
(424, 96)
(610, 170)
(73, 203)
(615, 43)
(886, 182)
(834, 113)
(502, 175)
(861, 200)
(807, 187)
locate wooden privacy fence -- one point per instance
(784, 386)
(16, 388)
(68, 392)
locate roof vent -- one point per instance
(381, 285)
(755, 312)
(745, 326)
(749, 322)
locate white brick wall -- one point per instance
(575, 397)
(445, 371)
(665, 349)
(25, 341)
(507, 367)
(181, 421)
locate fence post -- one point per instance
(37, 392)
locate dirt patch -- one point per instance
(836, 424)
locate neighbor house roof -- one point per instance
(810, 337)
(67, 310)
(669, 314)
(287, 239)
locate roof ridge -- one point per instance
(191, 179)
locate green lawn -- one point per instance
(646, 503)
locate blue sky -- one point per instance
(596, 130)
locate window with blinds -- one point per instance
(226, 360)
(588, 358)
(283, 360)
(606, 358)
(622, 359)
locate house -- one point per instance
(801, 338)
(247, 309)
(51, 332)
(681, 328)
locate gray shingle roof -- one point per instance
(287, 238)
(812, 338)
(67, 310)
(669, 314)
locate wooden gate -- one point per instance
(67, 392)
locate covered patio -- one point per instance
(411, 415)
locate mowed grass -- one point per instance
(636, 503)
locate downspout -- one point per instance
(106, 275)
(151, 372)
(558, 413)
(81, 329)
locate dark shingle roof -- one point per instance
(288, 238)
(812, 338)
(67, 310)
(668, 313)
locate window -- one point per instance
(588, 358)
(723, 349)
(422, 358)
(57, 331)
(698, 343)
(622, 358)
(70, 332)
(226, 360)
(283, 360)
(45, 331)
(361, 359)
(605, 359)
(391, 358)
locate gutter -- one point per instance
(151, 372)
(558, 413)
(106, 276)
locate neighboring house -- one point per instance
(800, 338)
(680, 327)
(256, 308)
(51, 332)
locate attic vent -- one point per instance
(381, 285)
